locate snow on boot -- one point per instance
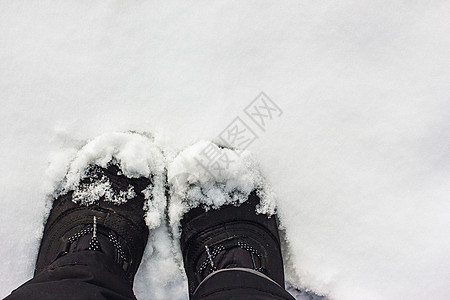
(112, 194)
(222, 219)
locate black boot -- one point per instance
(230, 237)
(119, 231)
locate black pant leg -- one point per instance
(80, 275)
(240, 284)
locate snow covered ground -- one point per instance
(359, 158)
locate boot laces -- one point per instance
(94, 244)
(210, 266)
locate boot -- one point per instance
(119, 231)
(230, 237)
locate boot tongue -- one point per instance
(233, 258)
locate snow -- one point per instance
(136, 155)
(358, 160)
(90, 193)
(194, 182)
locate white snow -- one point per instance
(136, 155)
(195, 181)
(90, 193)
(359, 160)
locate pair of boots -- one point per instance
(229, 238)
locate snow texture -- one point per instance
(194, 181)
(90, 193)
(359, 159)
(137, 156)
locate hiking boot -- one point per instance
(115, 228)
(230, 237)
